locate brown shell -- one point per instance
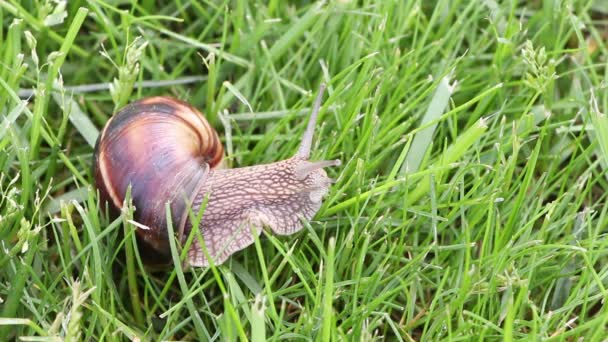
(163, 148)
(169, 153)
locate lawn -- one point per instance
(470, 203)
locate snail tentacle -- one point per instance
(166, 151)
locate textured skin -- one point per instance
(168, 152)
(242, 201)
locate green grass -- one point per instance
(471, 202)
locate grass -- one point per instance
(470, 204)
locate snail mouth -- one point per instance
(318, 188)
(316, 194)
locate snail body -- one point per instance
(166, 151)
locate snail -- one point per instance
(166, 151)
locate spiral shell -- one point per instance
(163, 148)
(166, 152)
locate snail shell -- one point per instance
(166, 151)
